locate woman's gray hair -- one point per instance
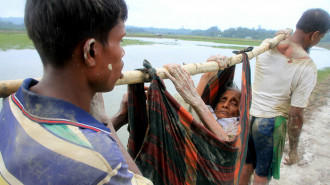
(232, 86)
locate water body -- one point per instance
(20, 64)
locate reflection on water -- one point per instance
(20, 64)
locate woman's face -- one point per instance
(228, 105)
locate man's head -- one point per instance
(229, 102)
(56, 27)
(315, 23)
(314, 20)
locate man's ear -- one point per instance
(89, 53)
(315, 35)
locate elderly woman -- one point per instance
(223, 121)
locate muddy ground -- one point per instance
(314, 145)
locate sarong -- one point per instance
(279, 142)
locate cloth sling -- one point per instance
(171, 147)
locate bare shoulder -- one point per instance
(292, 50)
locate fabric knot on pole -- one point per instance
(149, 69)
(248, 49)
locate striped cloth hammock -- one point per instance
(171, 147)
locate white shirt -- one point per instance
(280, 82)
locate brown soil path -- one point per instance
(314, 145)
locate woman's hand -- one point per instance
(183, 83)
(185, 87)
(221, 60)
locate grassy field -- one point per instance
(235, 41)
(20, 40)
(323, 74)
(127, 42)
(226, 47)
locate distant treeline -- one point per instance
(8, 26)
(243, 33)
(16, 24)
(240, 32)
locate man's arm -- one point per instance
(114, 123)
(132, 166)
(121, 117)
(295, 123)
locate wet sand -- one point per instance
(314, 145)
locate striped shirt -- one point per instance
(44, 140)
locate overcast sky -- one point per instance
(203, 14)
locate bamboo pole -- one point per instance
(132, 77)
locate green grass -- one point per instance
(226, 47)
(15, 41)
(234, 41)
(248, 42)
(20, 40)
(127, 42)
(323, 74)
(221, 40)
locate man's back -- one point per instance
(47, 140)
(281, 81)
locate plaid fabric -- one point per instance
(175, 148)
(245, 105)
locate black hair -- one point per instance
(314, 20)
(56, 27)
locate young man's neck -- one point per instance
(66, 84)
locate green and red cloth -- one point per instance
(171, 147)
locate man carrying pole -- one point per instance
(284, 79)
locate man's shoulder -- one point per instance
(307, 66)
(292, 50)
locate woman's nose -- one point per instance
(225, 104)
